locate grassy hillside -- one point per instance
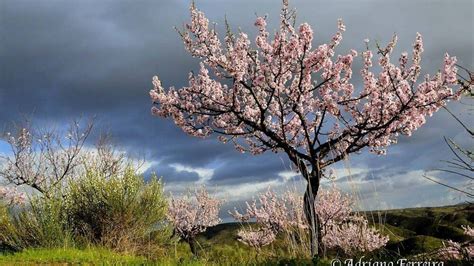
(412, 231)
(424, 228)
(418, 230)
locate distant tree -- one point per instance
(458, 251)
(11, 196)
(273, 215)
(44, 158)
(281, 95)
(190, 216)
(340, 226)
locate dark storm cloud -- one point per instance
(247, 168)
(63, 59)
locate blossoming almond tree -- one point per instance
(273, 215)
(11, 196)
(284, 95)
(342, 227)
(257, 238)
(353, 237)
(191, 216)
(458, 251)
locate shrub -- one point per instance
(122, 211)
(41, 223)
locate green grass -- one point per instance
(70, 256)
(396, 234)
(416, 245)
(220, 255)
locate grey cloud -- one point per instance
(62, 59)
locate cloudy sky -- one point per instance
(65, 59)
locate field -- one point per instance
(414, 233)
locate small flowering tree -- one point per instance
(342, 228)
(271, 212)
(468, 231)
(273, 215)
(191, 216)
(353, 236)
(333, 206)
(257, 238)
(11, 196)
(283, 95)
(459, 251)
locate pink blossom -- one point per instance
(449, 70)
(340, 25)
(42, 159)
(468, 230)
(354, 237)
(342, 228)
(273, 215)
(191, 216)
(306, 34)
(283, 95)
(260, 23)
(333, 206)
(279, 80)
(11, 195)
(256, 238)
(458, 251)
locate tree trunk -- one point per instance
(192, 245)
(310, 213)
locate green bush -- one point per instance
(122, 212)
(39, 224)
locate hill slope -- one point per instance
(411, 231)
